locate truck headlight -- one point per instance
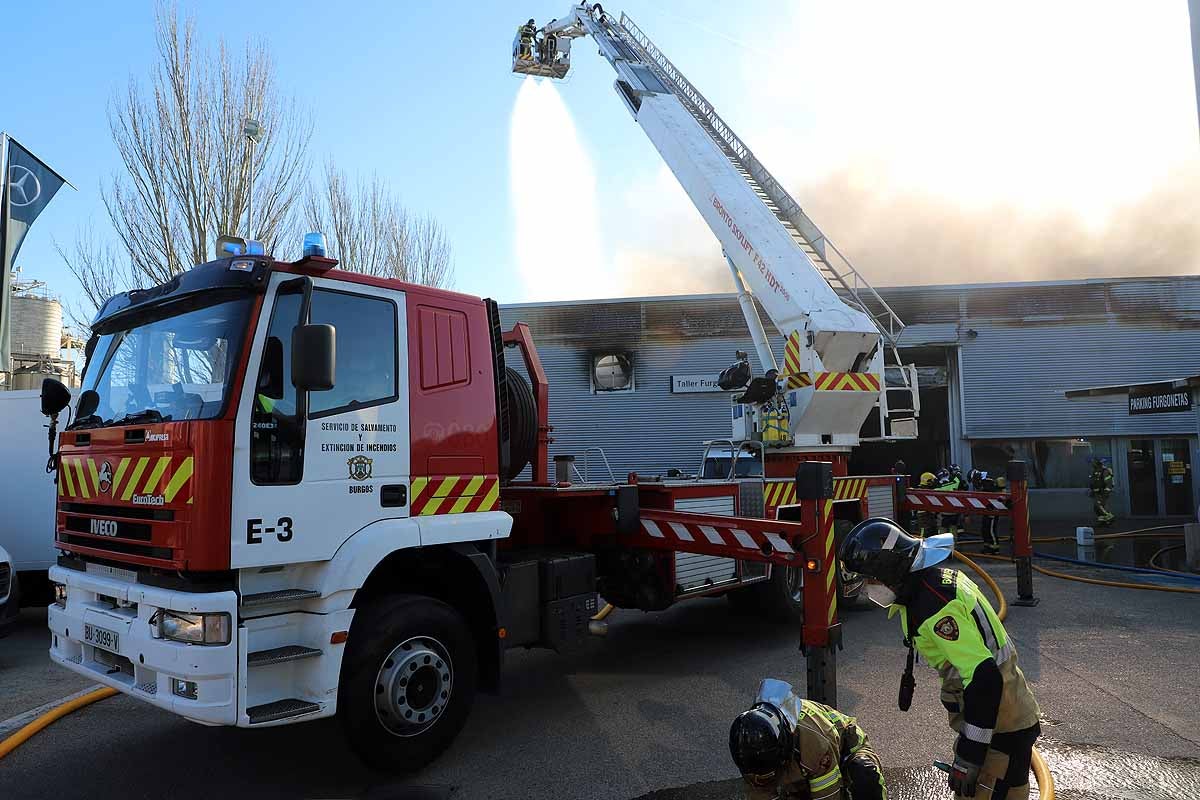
(194, 628)
(60, 595)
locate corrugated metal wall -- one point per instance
(1015, 372)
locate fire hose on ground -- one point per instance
(20, 737)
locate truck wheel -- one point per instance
(783, 594)
(408, 681)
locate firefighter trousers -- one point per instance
(1006, 768)
(1099, 506)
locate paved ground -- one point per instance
(646, 712)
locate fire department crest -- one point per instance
(360, 467)
(946, 628)
(104, 478)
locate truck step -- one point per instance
(278, 655)
(280, 709)
(280, 596)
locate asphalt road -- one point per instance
(646, 712)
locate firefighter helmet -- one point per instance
(881, 549)
(760, 741)
(928, 479)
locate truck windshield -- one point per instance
(175, 365)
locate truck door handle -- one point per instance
(393, 495)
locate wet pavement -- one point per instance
(1081, 772)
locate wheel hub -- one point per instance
(413, 686)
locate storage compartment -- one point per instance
(566, 575)
(521, 599)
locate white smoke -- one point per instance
(949, 142)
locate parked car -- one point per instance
(8, 593)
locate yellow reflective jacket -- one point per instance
(959, 635)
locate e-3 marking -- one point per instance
(282, 530)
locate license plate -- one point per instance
(102, 638)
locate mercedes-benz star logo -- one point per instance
(23, 186)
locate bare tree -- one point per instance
(101, 272)
(370, 231)
(189, 171)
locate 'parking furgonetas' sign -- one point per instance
(1160, 400)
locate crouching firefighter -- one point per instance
(786, 746)
(947, 621)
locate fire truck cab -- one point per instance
(259, 450)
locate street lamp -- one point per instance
(253, 131)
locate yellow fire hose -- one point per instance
(1096, 581)
(1041, 772)
(19, 738)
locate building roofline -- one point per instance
(940, 287)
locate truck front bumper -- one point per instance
(195, 681)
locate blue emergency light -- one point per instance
(314, 244)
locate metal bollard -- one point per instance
(1018, 487)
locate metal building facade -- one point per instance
(1011, 351)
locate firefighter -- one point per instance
(950, 479)
(786, 746)
(1100, 488)
(948, 621)
(982, 481)
(926, 521)
(527, 33)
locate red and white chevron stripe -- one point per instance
(978, 502)
(732, 537)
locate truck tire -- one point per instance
(408, 681)
(778, 598)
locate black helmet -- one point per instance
(760, 741)
(880, 549)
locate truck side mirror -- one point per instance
(314, 354)
(89, 401)
(270, 379)
(55, 396)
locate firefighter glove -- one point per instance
(964, 777)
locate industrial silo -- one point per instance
(36, 326)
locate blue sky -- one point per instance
(1067, 117)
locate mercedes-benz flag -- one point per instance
(28, 187)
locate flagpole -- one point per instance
(5, 368)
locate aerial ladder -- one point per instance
(839, 333)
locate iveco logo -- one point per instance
(104, 527)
